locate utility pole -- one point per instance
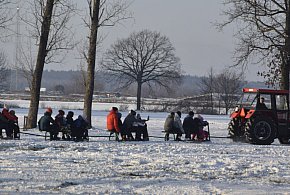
(17, 48)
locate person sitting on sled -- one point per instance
(199, 124)
(133, 124)
(46, 123)
(80, 129)
(61, 124)
(172, 125)
(12, 122)
(4, 125)
(113, 123)
(188, 125)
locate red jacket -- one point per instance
(7, 115)
(112, 121)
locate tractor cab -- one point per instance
(262, 116)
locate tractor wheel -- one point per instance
(260, 130)
(284, 140)
(235, 129)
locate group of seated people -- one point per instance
(71, 129)
(9, 122)
(77, 129)
(192, 126)
(132, 124)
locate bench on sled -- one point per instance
(175, 135)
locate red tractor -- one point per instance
(261, 117)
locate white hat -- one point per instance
(6, 106)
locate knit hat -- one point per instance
(115, 108)
(6, 106)
(61, 112)
(49, 110)
(132, 112)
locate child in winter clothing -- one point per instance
(199, 124)
(60, 120)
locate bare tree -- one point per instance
(144, 57)
(5, 14)
(4, 72)
(228, 85)
(49, 29)
(208, 86)
(264, 36)
(102, 13)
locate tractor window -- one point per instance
(248, 100)
(281, 102)
(264, 102)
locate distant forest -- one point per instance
(73, 83)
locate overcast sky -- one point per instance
(189, 24)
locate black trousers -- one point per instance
(8, 129)
(140, 130)
(176, 131)
(13, 128)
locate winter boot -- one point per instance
(166, 138)
(116, 136)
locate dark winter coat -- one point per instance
(129, 120)
(45, 122)
(60, 120)
(169, 122)
(3, 119)
(69, 121)
(188, 124)
(80, 128)
(261, 106)
(80, 123)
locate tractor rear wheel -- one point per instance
(260, 130)
(235, 128)
(284, 140)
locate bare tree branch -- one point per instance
(262, 34)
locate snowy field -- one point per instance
(35, 166)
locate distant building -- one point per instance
(99, 94)
(42, 90)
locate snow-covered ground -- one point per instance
(35, 166)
